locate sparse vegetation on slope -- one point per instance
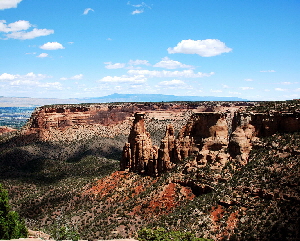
(76, 185)
(11, 226)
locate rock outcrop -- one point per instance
(205, 137)
(209, 138)
(6, 129)
(139, 155)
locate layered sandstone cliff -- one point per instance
(208, 139)
(83, 121)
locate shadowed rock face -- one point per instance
(209, 138)
(268, 124)
(139, 155)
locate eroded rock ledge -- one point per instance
(209, 138)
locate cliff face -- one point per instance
(73, 122)
(267, 124)
(6, 129)
(208, 139)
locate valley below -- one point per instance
(221, 170)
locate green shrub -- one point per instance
(65, 233)
(11, 226)
(160, 234)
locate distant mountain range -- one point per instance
(27, 101)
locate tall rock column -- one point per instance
(138, 154)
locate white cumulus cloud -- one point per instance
(86, 11)
(13, 27)
(139, 62)
(247, 88)
(78, 76)
(171, 64)
(30, 35)
(6, 76)
(42, 55)
(110, 65)
(124, 78)
(29, 81)
(280, 89)
(137, 11)
(204, 48)
(174, 82)
(19, 30)
(173, 74)
(5, 4)
(52, 46)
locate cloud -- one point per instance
(247, 88)
(35, 83)
(280, 89)
(86, 11)
(234, 93)
(78, 76)
(171, 64)
(110, 65)
(137, 11)
(30, 35)
(42, 55)
(123, 79)
(52, 46)
(140, 7)
(216, 91)
(139, 62)
(6, 76)
(5, 4)
(225, 86)
(267, 71)
(286, 83)
(29, 81)
(248, 79)
(75, 77)
(17, 30)
(13, 27)
(204, 48)
(174, 82)
(173, 74)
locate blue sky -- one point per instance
(92, 48)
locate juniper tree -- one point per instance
(11, 226)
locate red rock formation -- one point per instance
(204, 139)
(139, 155)
(168, 154)
(6, 129)
(267, 124)
(247, 127)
